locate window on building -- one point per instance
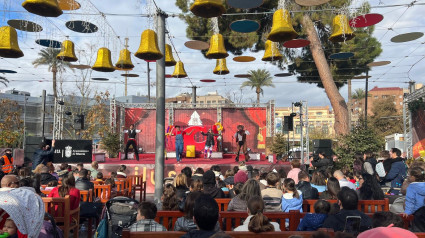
(325, 129)
(376, 97)
(298, 129)
(319, 113)
(208, 102)
(214, 101)
(384, 96)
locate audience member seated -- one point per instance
(10, 228)
(295, 170)
(292, 198)
(9, 182)
(256, 176)
(205, 213)
(94, 169)
(343, 182)
(210, 185)
(114, 175)
(222, 185)
(24, 172)
(250, 189)
(76, 173)
(381, 232)
(271, 195)
(314, 221)
(318, 181)
(111, 182)
(241, 177)
(385, 219)
(99, 177)
(38, 168)
(196, 186)
(169, 198)
(121, 172)
(305, 187)
(369, 188)
(146, 213)
(256, 222)
(67, 188)
(26, 182)
(188, 172)
(199, 172)
(186, 222)
(415, 194)
(51, 185)
(46, 177)
(80, 166)
(180, 183)
(397, 172)
(282, 176)
(236, 190)
(348, 201)
(63, 170)
(83, 182)
(332, 189)
(52, 171)
(229, 177)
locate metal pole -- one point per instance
(160, 109)
(43, 112)
(194, 95)
(125, 91)
(25, 121)
(149, 83)
(307, 134)
(302, 134)
(365, 99)
(411, 86)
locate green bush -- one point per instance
(279, 145)
(111, 143)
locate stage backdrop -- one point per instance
(418, 133)
(197, 120)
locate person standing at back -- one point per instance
(397, 172)
(321, 162)
(369, 165)
(295, 169)
(41, 155)
(6, 161)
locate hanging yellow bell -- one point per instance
(221, 67)
(45, 8)
(67, 52)
(124, 61)
(217, 49)
(282, 29)
(9, 47)
(272, 52)
(103, 62)
(341, 30)
(208, 8)
(169, 59)
(179, 71)
(148, 49)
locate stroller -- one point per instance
(119, 213)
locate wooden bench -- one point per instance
(366, 206)
(223, 203)
(231, 220)
(236, 234)
(139, 186)
(168, 218)
(60, 210)
(103, 192)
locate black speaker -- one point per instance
(79, 122)
(323, 145)
(31, 145)
(288, 123)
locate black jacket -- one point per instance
(83, 184)
(308, 191)
(213, 191)
(41, 156)
(337, 221)
(322, 164)
(46, 178)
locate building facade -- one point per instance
(210, 98)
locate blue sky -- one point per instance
(406, 58)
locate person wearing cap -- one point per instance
(6, 161)
(210, 185)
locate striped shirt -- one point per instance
(147, 225)
(272, 199)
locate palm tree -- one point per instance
(48, 57)
(359, 94)
(259, 78)
(4, 80)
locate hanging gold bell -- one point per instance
(272, 52)
(169, 59)
(217, 49)
(67, 52)
(221, 67)
(45, 8)
(208, 8)
(282, 29)
(148, 49)
(179, 71)
(341, 30)
(124, 61)
(103, 62)
(9, 47)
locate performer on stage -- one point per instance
(180, 142)
(240, 136)
(132, 133)
(209, 143)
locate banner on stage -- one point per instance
(73, 151)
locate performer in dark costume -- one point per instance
(132, 133)
(209, 143)
(240, 136)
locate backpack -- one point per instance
(380, 170)
(102, 229)
(49, 228)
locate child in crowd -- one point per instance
(271, 195)
(51, 185)
(121, 172)
(196, 186)
(146, 213)
(99, 177)
(169, 198)
(229, 177)
(63, 170)
(10, 228)
(292, 198)
(111, 181)
(221, 184)
(314, 221)
(295, 169)
(80, 166)
(114, 175)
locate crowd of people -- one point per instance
(254, 191)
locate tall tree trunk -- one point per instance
(55, 91)
(258, 91)
(337, 101)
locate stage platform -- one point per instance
(146, 166)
